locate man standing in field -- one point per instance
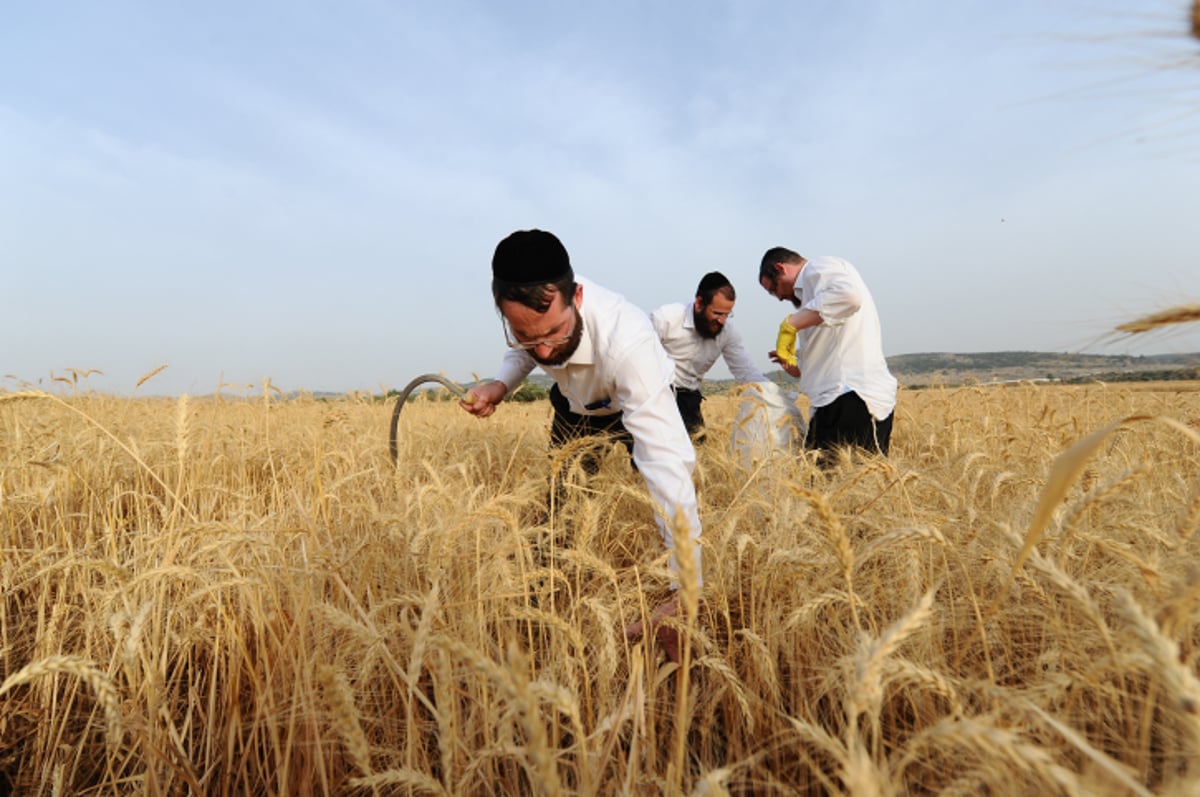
(695, 335)
(834, 344)
(611, 376)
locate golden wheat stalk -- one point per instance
(406, 781)
(21, 395)
(915, 676)
(997, 750)
(1180, 314)
(101, 685)
(103, 430)
(837, 538)
(150, 375)
(1163, 656)
(510, 678)
(867, 688)
(1065, 469)
(1111, 768)
(346, 717)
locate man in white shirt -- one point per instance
(695, 334)
(834, 344)
(611, 375)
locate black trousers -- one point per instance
(846, 421)
(688, 402)
(567, 425)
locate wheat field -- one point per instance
(241, 595)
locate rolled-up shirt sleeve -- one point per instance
(833, 293)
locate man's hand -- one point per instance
(792, 370)
(785, 344)
(481, 400)
(667, 635)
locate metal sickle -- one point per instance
(453, 386)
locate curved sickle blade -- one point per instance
(454, 388)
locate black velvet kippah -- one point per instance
(711, 282)
(531, 257)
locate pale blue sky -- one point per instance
(311, 192)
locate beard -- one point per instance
(564, 352)
(704, 327)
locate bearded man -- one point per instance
(611, 377)
(695, 334)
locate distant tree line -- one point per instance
(1175, 375)
(528, 391)
(986, 361)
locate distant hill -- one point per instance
(1014, 366)
(998, 367)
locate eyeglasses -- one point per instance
(552, 341)
(708, 310)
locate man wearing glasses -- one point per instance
(611, 376)
(695, 334)
(834, 345)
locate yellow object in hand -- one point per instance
(785, 343)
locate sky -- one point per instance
(310, 193)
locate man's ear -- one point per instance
(578, 296)
(698, 305)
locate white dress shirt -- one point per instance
(620, 366)
(695, 354)
(845, 351)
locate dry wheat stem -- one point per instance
(148, 376)
(1067, 466)
(101, 685)
(346, 717)
(1180, 314)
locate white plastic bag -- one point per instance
(768, 423)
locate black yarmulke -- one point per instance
(531, 257)
(711, 282)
